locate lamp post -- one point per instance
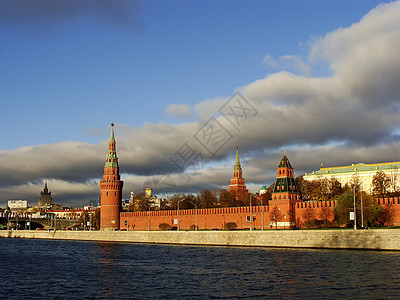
(262, 215)
(178, 214)
(355, 212)
(251, 215)
(127, 218)
(362, 210)
(148, 225)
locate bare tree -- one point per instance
(325, 213)
(276, 215)
(308, 214)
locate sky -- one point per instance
(185, 82)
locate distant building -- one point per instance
(263, 190)
(363, 172)
(17, 204)
(45, 201)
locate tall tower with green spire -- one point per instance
(111, 189)
(237, 186)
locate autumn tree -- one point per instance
(380, 184)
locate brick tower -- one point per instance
(111, 189)
(285, 186)
(237, 186)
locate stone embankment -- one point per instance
(378, 239)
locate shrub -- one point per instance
(230, 225)
(164, 226)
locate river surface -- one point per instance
(39, 269)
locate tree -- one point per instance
(371, 210)
(174, 199)
(140, 202)
(226, 199)
(275, 215)
(380, 184)
(308, 214)
(164, 226)
(345, 204)
(268, 194)
(207, 199)
(96, 219)
(325, 213)
(335, 188)
(230, 226)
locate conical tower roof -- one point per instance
(237, 167)
(284, 163)
(112, 159)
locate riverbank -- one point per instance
(378, 239)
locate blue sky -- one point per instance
(64, 76)
(69, 69)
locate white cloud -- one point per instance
(288, 62)
(178, 110)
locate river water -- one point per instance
(38, 269)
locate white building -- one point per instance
(17, 204)
(363, 172)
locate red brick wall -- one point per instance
(213, 218)
(216, 218)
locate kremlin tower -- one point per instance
(111, 189)
(285, 186)
(237, 186)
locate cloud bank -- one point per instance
(350, 116)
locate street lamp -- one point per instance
(355, 212)
(251, 215)
(178, 214)
(262, 214)
(148, 226)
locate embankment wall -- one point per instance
(379, 239)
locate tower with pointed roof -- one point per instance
(111, 189)
(237, 186)
(285, 187)
(45, 200)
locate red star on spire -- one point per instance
(112, 124)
